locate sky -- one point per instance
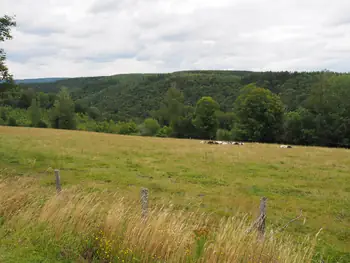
(71, 38)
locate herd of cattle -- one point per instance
(222, 142)
(237, 143)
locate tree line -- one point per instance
(258, 115)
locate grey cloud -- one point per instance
(102, 58)
(39, 30)
(176, 37)
(341, 21)
(31, 53)
(107, 6)
(87, 37)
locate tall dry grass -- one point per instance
(113, 230)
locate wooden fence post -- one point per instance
(261, 222)
(144, 203)
(58, 181)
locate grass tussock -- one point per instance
(110, 229)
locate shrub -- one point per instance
(85, 123)
(127, 128)
(106, 126)
(165, 132)
(42, 124)
(150, 127)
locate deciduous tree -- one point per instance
(34, 113)
(259, 115)
(205, 119)
(63, 114)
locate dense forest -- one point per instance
(290, 107)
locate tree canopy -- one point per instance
(205, 119)
(62, 115)
(259, 115)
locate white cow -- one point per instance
(237, 143)
(285, 146)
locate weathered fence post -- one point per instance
(58, 181)
(144, 203)
(262, 218)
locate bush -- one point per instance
(12, 122)
(2, 122)
(42, 124)
(127, 128)
(165, 132)
(223, 135)
(150, 127)
(106, 126)
(85, 123)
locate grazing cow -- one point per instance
(285, 147)
(237, 143)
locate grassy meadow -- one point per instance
(192, 186)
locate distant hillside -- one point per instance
(122, 97)
(38, 80)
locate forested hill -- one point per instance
(137, 95)
(310, 108)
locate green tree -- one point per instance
(34, 113)
(259, 115)
(26, 98)
(80, 107)
(63, 115)
(329, 102)
(205, 119)
(43, 100)
(299, 127)
(226, 119)
(6, 24)
(94, 113)
(171, 108)
(150, 127)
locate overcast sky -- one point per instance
(67, 38)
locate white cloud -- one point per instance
(103, 37)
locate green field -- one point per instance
(219, 179)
